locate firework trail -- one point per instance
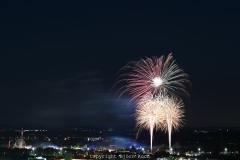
(149, 115)
(153, 76)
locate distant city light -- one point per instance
(40, 158)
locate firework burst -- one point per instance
(174, 113)
(153, 76)
(149, 116)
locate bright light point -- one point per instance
(33, 148)
(225, 149)
(143, 149)
(157, 81)
(199, 149)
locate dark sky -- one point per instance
(59, 59)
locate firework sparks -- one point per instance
(174, 113)
(149, 115)
(153, 76)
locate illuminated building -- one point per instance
(20, 143)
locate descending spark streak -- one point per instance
(153, 76)
(149, 115)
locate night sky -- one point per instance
(60, 59)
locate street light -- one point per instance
(33, 150)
